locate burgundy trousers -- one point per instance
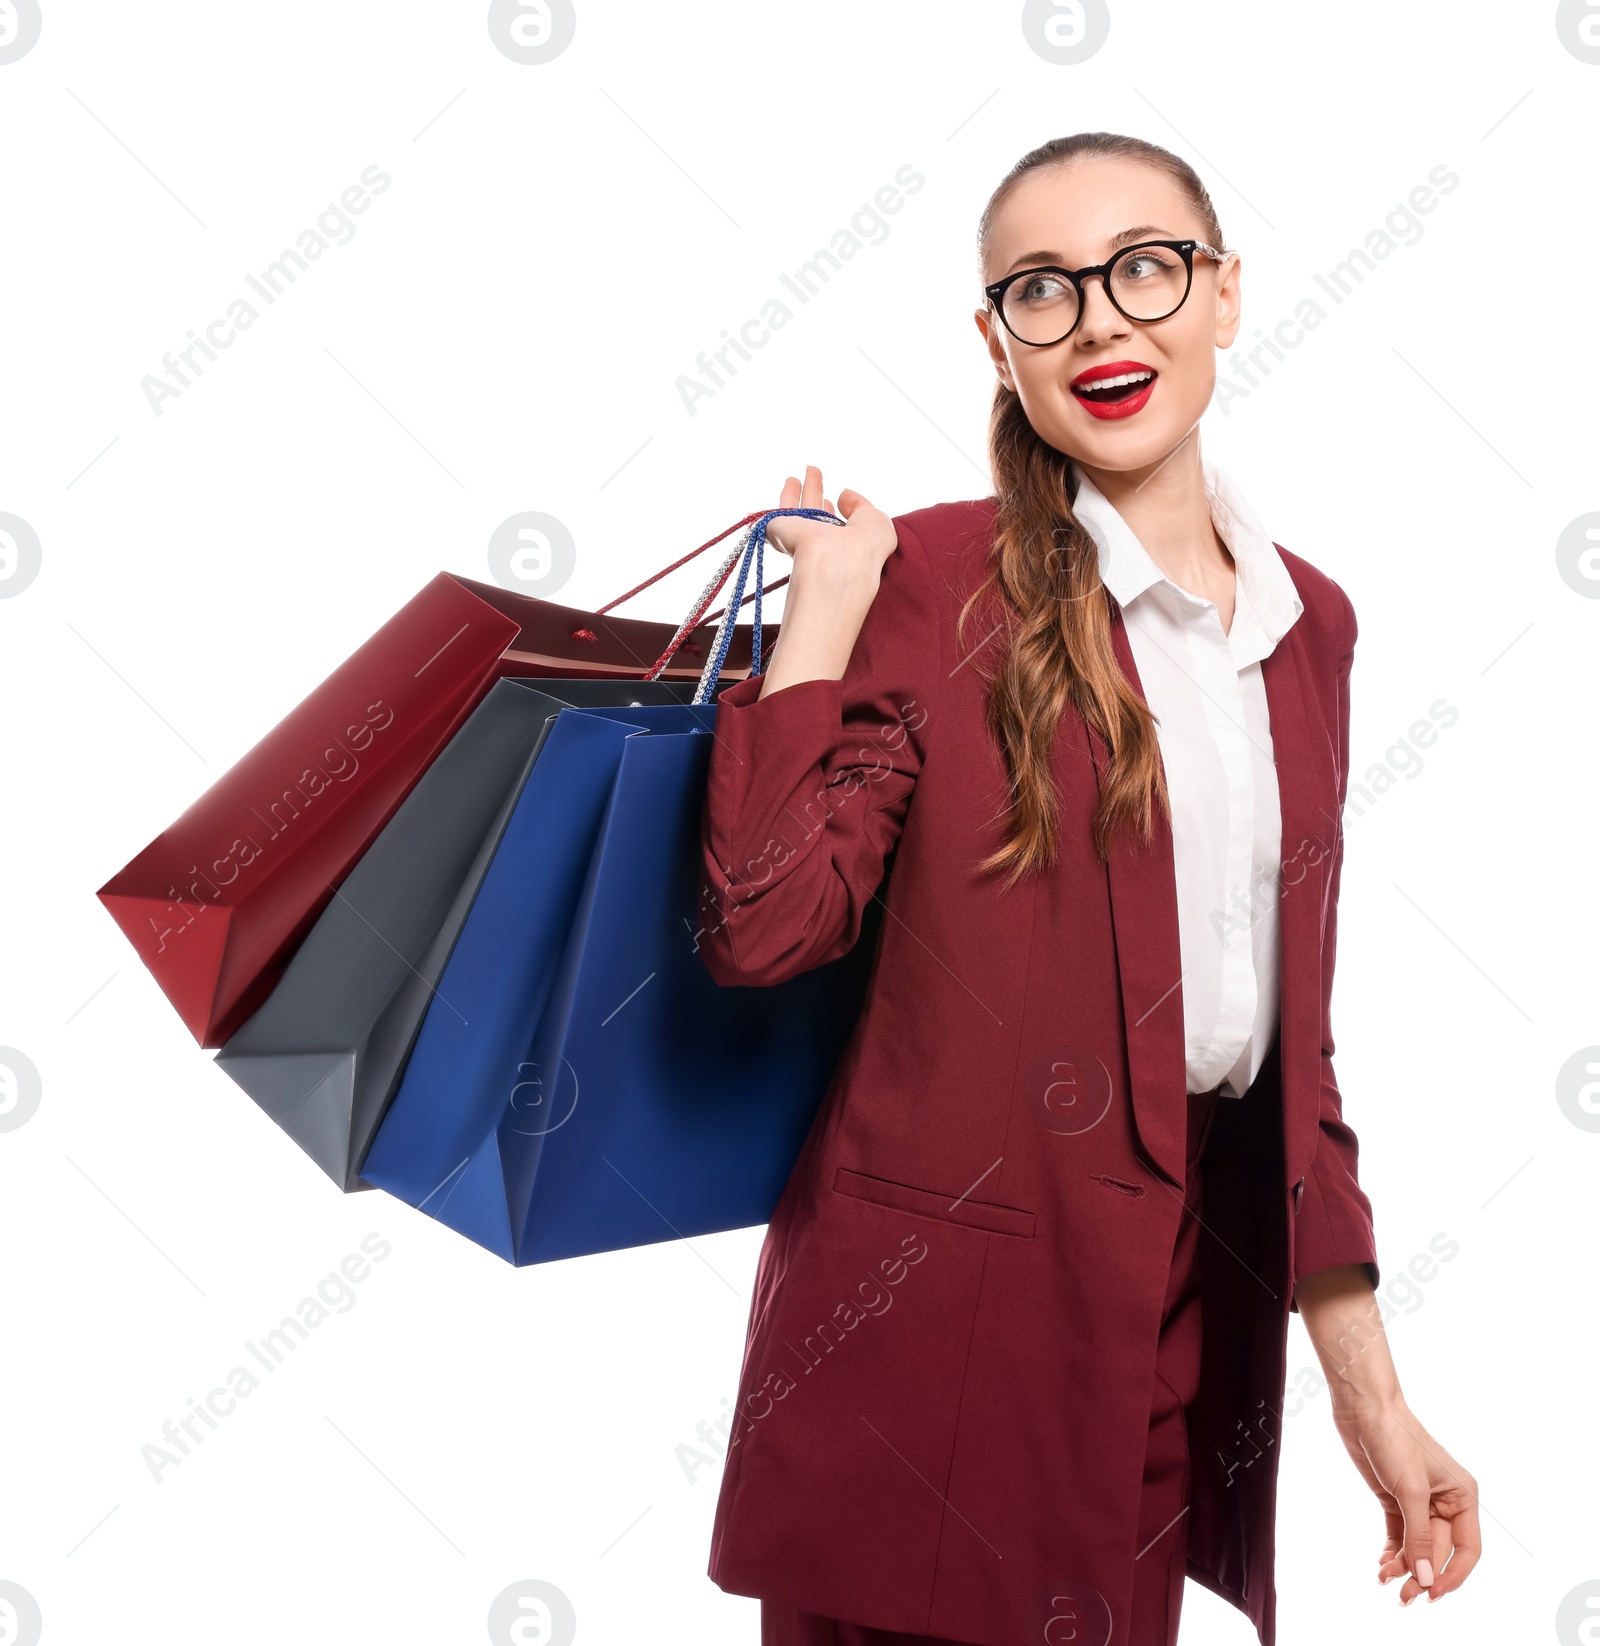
(1163, 1539)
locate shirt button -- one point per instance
(1299, 1186)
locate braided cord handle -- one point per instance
(749, 550)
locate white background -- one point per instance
(503, 333)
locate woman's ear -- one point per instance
(996, 346)
(1230, 304)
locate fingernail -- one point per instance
(1405, 1602)
(1425, 1572)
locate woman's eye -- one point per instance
(1144, 266)
(1043, 288)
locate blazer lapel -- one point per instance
(1308, 798)
(1144, 913)
(1144, 908)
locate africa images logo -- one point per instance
(868, 226)
(20, 23)
(334, 226)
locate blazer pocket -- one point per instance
(901, 1197)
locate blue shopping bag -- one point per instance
(657, 1104)
(466, 1063)
(581, 1084)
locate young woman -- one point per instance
(1094, 730)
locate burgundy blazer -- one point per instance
(943, 1407)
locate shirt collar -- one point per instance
(1266, 602)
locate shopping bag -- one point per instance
(465, 1065)
(324, 1054)
(582, 1084)
(217, 903)
(657, 1104)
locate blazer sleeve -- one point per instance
(1333, 1221)
(807, 789)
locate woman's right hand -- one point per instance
(835, 577)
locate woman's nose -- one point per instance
(1102, 319)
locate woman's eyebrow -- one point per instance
(1125, 237)
(1145, 231)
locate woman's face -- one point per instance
(1081, 213)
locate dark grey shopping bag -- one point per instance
(324, 1054)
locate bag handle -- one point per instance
(710, 542)
(753, 547)
(750, 548)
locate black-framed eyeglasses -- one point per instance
(1146, 282)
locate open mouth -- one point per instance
(1115, 390)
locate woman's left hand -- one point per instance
(1430, 1503)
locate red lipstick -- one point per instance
(1117, 389)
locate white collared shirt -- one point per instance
(1215, 734)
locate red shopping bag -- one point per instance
(218, 902)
